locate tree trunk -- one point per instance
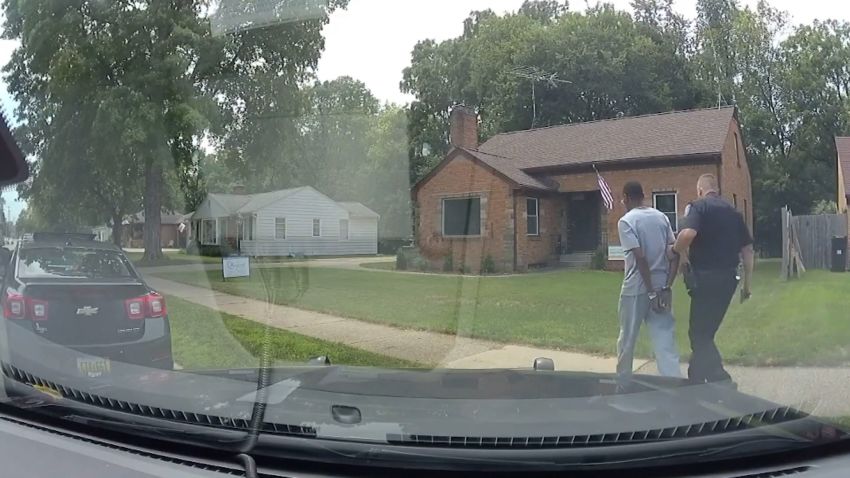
(153, 212)
(117, 229)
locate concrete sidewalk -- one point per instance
(352, 263)
(818, 390)
(432, 348)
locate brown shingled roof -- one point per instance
(843, 147)
(675, 134)
(508, 167)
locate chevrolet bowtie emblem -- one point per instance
(87, 310)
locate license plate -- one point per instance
(93, 367)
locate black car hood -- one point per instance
(445, 418)
(397, 403)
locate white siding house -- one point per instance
(299, 221)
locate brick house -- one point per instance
(528, 198)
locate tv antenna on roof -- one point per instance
(537, 75)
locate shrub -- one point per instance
(599, 259)
(488, 265)
(448, 264)
(401, 260)
(421, 264)
(389, 246)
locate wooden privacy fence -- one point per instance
(807, 241)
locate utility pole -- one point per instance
(535, 74)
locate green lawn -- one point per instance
(203, 338)
(801, 322)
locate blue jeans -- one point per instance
(633, 311)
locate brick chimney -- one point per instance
(463, 132)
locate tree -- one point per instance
(608, 65)
(119, 94)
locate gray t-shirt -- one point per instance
(650, 230)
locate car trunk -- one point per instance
(87, 314)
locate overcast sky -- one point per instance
(372, 39)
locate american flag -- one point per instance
(607, 197)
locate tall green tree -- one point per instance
(123, 92)
(603, 62)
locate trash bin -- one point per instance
(839, 254)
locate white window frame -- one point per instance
(315, 221)
(347, 235)
(536, 217)
(276, 236)
(443, 214)
(675, 212)
(205, 232)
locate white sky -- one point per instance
(372, 39)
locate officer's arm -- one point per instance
(683, 242)
(688, 231)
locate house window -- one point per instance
(245, 228)
(532, 217)
(249, 235)
(737, 150)
(343, 229)
(208, 231)
(666, 203)
(462, 217)
(280, 228)
(317, 227)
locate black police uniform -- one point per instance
(712, 280)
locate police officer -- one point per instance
(715, 239)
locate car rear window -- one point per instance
(49, 262)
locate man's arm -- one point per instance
(674, 259)
(683, 242)
(643, 268)
(631, 244)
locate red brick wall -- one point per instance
(464, 177)
(735, 174)
(681, 179)
(540, 249)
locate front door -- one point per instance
(583, 222)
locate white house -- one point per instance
(287, 222)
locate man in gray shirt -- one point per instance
(646, 236)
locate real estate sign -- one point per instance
(236, 266)
(616, 253)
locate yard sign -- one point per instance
(236, 266)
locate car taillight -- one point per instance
(19, 307)
(14, 306)
(149, 305)
(38, 309)
(156, 305)
(135, 308)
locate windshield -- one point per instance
(484, 225)
(57, 262)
